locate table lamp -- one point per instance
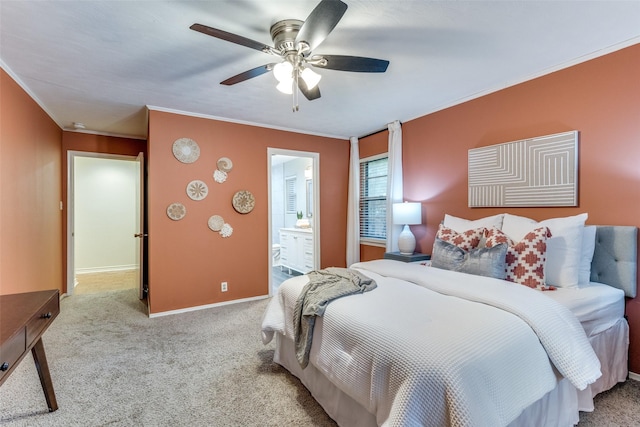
(407, 214)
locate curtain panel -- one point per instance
(353, 205)
(394, 186)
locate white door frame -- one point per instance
(71, 155)
(315, 218)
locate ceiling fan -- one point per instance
(294, 42)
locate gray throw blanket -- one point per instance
(324, 286)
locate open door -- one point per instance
(293, 184)
(140, 235)
(86, 173)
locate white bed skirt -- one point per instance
(558, 408)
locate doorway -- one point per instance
(104, 220)
(294, 214)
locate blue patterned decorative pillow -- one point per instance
(490, 262)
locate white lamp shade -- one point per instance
(407, 213)
(310, 77)
(285, 86)
(282, 71)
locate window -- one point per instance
(290, 195)
(373, 199)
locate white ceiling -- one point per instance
(102, 62)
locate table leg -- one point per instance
(40, 359)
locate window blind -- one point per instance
(290, 194)
(373, 198)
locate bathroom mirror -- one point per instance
(309, 198)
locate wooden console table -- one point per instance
(23, 320)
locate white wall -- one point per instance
(277, 201)
(105, 213)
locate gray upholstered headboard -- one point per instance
(616, 257)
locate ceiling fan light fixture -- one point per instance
(310, 77)
(294, 42)
(283, 71)
(286, 86)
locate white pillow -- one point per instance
(564, 247)
(586, 256)
(461, 225)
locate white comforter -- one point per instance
(413, 355)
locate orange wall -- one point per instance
(599, 98)
(86, 142)
(187, 261)
(30, 194)
(370, 146)
(369, 252)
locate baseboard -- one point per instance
(107, 269)
(634, 376)
(204, 307)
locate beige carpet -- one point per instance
(91, 283)
(113, 366)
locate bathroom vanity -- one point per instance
(296, 249)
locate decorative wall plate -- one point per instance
(243, 201)
(186, 150)
(216, 222)
(176, 211)
(226, 230)
(197, 190)
(219, 176)
(225, 164)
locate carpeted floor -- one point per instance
(92, 283)
(113, 366)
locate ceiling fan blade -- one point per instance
(321, 22)
(230, 37)
(310, 94)
(353, 63)
(249, 74)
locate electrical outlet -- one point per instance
(223, 286)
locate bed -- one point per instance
(431, 346)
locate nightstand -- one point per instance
(414, 257)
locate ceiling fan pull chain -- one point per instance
(295, 89)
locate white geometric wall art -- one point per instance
(541, 171)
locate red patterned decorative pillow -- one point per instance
(526, 258)
(466, 240)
